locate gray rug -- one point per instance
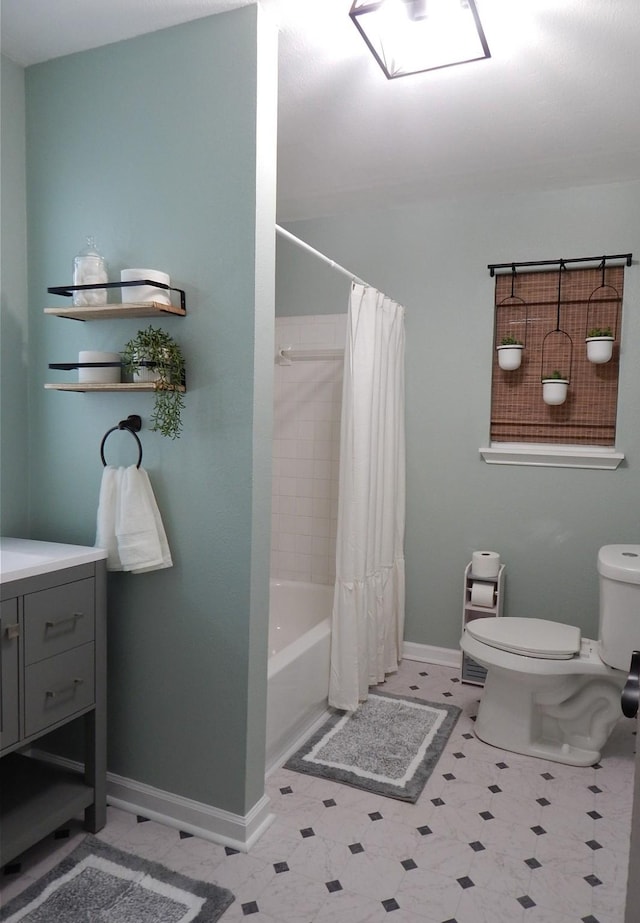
(99, 884)
(389, 746)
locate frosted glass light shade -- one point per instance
(412, 36)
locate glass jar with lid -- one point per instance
(89, 268)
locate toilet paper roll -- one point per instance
(485, 564)
(483, 594)
(104, 375)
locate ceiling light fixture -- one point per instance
(413, 36)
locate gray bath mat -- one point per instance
(99, 883)
(389, 746)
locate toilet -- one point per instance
(549, 692)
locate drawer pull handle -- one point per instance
(52, 694)
(13, 631)
(68, 618)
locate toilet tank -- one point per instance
(619, 634)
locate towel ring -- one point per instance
(133, 425)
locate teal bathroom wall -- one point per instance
(547, 523)
(13, 304)
(163, 147)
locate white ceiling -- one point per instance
(557, 104)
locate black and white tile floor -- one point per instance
(494, 838)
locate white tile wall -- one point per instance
(306, 447)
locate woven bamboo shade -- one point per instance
(588, 416)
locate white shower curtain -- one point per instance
(368, 606)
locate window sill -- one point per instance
(551, 456)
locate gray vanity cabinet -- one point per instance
(52, 672)
(9, 633)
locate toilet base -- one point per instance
(564, 719)
(564, 753)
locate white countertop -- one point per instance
(21, 557)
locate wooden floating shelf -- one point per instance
(114, 386)
(115, 311)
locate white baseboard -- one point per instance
(203, 820)
(427, 653)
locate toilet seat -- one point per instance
(527, 637)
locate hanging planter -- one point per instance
(604, 301)
(560, 344)
(510, 354)
(554, 388)
(510, 349)
(599, 345)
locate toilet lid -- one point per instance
(528, 637)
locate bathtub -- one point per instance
(298, 670)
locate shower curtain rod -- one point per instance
(325, 259)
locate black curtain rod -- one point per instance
(511, 267)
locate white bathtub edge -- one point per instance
(280, 660)
(282, 757)
(298, 670)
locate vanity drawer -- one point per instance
(56, 688)
(58, 619)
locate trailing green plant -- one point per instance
(554, 376)
(510, 341)
(600, 332)
(153, 348)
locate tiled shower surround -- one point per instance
(306, 447)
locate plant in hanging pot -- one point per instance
(154, 356)
(554, 388)
(599, 342)
(510, 353)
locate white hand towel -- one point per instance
(106, 517)
(162, 536)
(138, 543)
(142, 542)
